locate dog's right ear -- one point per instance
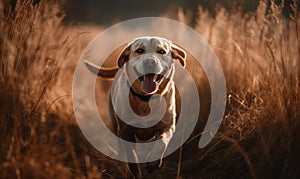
(179, 54)
(124, 56)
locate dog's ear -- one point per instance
(124, 56)
(179, 54)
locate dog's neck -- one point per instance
(141, 97)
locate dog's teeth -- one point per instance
(155, 78)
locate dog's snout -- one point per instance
(150, 62)
(150, 65)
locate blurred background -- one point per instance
(112, 11)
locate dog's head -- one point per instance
(149, 63)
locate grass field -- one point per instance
(260, 133)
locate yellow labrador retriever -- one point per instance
(148, 69)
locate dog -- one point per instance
(148, 69)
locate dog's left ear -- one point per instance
(124, 56)
(179, 54)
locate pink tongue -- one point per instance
(148, 85)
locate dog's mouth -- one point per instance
(150, 82)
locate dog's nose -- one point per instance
(150, 62)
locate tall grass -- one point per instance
(30, 53)
(35, 142)
(260, 58)
(260, 133)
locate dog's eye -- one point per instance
(161, 51)
(140, 51)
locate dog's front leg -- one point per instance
(131, 154)
(135, 167)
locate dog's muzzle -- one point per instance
(150, 77)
